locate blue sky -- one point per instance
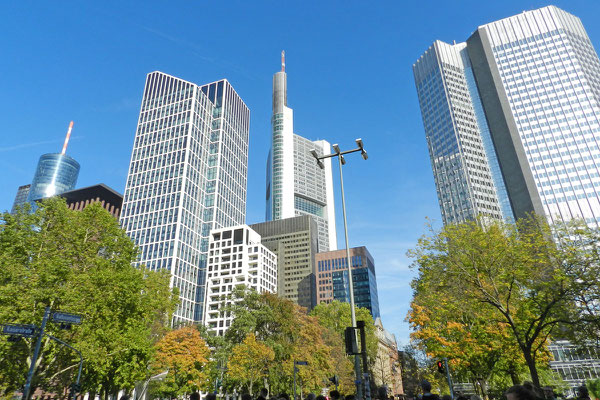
(349, 76)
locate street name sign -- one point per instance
(21, 330)
(68, 318)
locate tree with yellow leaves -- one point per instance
(249, 362)
(184, 354)
(489, 293)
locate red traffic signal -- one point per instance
(440, 367)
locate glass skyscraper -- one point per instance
(295, 183)
(332, 281)
(20, 198)
(187, 175)
(517, 111)
(55, 173)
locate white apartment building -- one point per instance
(236, 257)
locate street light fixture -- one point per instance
(340, 155)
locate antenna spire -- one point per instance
(64, 149)
(282, 60)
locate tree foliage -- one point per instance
(249, 362)
(78, 262)
(184, 354)
(288, 331)
(491, 289)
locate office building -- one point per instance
(295, 243)
(295, 184)
(522, 95)
(20, 198)
(55, 173)
(333, 282)
(574, 364)
(109, 199)
(236, 257)
(387, 368)
(515, 110)
(187, 176)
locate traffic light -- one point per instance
(440, 367)
(335, 380)
(76, 387)
(350, 339)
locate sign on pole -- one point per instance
(67, 318)
(21, 330)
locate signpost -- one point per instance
(32, 331)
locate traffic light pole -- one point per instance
(449, 377)
(36, 353)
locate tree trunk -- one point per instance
(481, 382)
(535, 379)
(513, 376)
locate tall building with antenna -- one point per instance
(295, 184)
(55, 173)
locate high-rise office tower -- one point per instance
(21, 197)
(55, 173)
(512, 116)
(187, 176)
(236, 257)
(333, 282)
(295, 183)
(295, 243)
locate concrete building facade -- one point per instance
(236, 257)
(295, 243)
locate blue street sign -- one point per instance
(21, 330)
(58, 316)
(301, 362)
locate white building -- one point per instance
(295, 184)
(187, 176)
(236, 257)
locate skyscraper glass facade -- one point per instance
(333, 283)
(533, 104)
(468, 179)
(187, 175)
(55, 173)
(295, 184)
(21, 197)
(550, 75)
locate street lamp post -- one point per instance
(341, 160)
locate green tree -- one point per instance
(515, 276)
(335, 317)
(184, 354)
(79, 262)
(285, 328)
(249, 362)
